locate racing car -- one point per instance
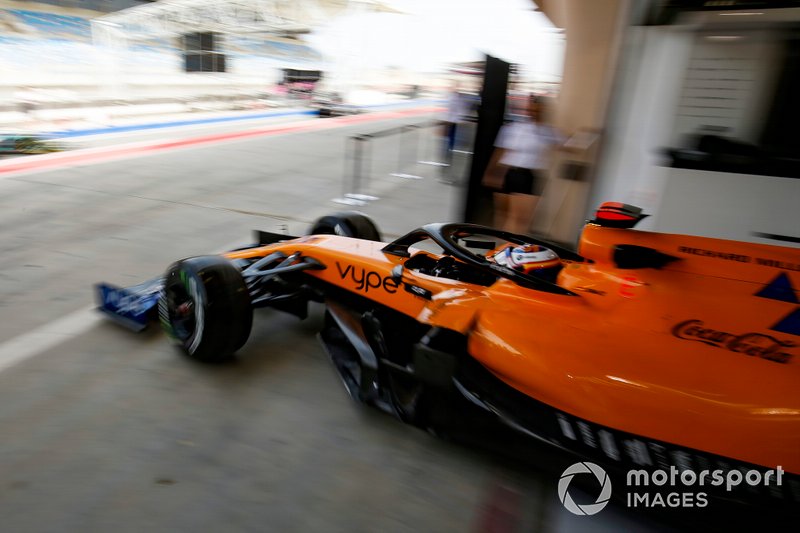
(637, 350)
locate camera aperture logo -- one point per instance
(673, 488)
(585, 509)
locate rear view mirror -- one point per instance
(397, 273)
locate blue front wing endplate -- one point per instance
(133, 307)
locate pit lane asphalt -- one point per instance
(108, 430)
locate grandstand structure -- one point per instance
(98, 52)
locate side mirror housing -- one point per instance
(629, 256)
(397, 274)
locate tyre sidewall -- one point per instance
(222, 310)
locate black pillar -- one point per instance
(478, 204)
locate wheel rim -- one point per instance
(181, 313)
(185, 305)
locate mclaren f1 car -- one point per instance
(640, 349)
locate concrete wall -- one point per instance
(592, 32)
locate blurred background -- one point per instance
(647, 89)
(133, 133)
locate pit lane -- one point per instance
(104, 429)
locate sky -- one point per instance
(429, 34)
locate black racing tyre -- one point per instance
(206, 307)
(347, 224)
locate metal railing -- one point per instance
(362, 165)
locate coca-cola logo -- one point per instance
(752, 344)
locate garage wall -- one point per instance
(675, 82)
(729, 206)
(642, 118)
(727, 84)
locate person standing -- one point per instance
(518, 166)
(456, 111)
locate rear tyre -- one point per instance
(206, 307)
(347, 224)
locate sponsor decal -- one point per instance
(781, 289)
(789, 324)
(132, 303)
(752, 344)
(416, 290)
(778, 264)
(126, 303)
(739, 258)
(366, 280)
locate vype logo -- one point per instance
(366, 279)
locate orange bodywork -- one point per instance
(702, 353)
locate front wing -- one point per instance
(132, 307)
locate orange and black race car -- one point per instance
(640, 350)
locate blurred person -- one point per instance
(517, 170)
(457, 108)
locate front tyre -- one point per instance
(206, 307)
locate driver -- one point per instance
(530, 259)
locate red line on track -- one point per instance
(109, 153)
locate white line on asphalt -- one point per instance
(48, 336)
(43, 338)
